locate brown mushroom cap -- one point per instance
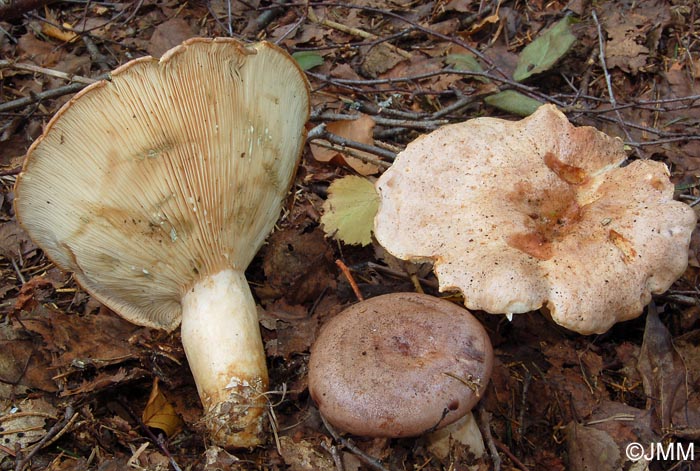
(399, 365)
(520, 215)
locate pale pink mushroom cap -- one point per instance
(521, 215)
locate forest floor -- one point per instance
(81, 388)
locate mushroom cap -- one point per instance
(399, 365)
(172, 169)
(520, 215)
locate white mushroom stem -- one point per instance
(221, 336)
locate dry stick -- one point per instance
(45, 95)
(152, 436)
(484, 423)
(58, 429)
(519, 464)
(350, 153)
(333, 451)
(608, 82)
(348, 275)
(45, 71)
(320, 132)
(523, 404)
(353, 84)
(370, 461)
(97, 57)
(352, 31)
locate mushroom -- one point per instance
(399, 365)
(521, 215)
(157, 187)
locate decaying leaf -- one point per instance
(358, 130)
(298, 266)
(160, 414)
(21, 364)
(590, 448)
(625, 47)
(380, 59)
(24, 424)
(542, 53)
(303, 456)
(348, 213)
(662, 370)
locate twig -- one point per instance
(519, 464)
(152, 436)
(484, 423)
(46, 95)
(95, 54)
(354, 84)
(348, 275)
(428, 124)
(320, 132)
(352, 31)
(58, 429)
(264, 19)
(50, 72)
(523, 404)
(370, 461)
(608, 81)
(333, 451)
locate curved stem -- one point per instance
(221, 336)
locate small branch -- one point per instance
(333, 451)
(484, 423)
(320, 132)
(608, 82)
(348, 275)
(45, 71)
(518, 464)
(45, 95)
(523, 404)
(54, 433)
(158, 440)
(353, 31)
(370, 461)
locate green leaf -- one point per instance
(466, 62)
(307, 59)
(348, 213)
(545, 51)
(513, 102)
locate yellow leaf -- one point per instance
(348, 213)
(160, 414)
(63, 33)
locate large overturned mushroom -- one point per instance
(157, 187)
(536, 213)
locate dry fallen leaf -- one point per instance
(662, 370)
(358, 130)
(24, 424)
(160, 414)
(590, 448)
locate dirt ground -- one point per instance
(81, 388)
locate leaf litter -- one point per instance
(391, 73)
